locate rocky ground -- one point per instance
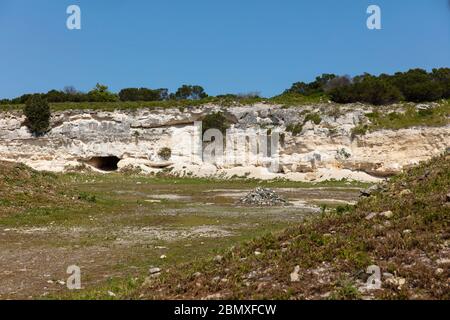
(262, 197)
(393, 244)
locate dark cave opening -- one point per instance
(104, 163)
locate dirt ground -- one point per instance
(134, 224)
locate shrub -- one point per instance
(378, 91)
(37, 113)
(295, 129)
(165, 153)
(425, 112)
(359, 130)
(215, 120)
(341, 209)
(84, 196)
(314, 117)
(343, 94)
(343, 154)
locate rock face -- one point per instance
(262, 197)
(134, 138)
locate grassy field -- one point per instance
(116, 226)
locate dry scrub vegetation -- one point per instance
(402, 228)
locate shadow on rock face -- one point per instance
(104, 163)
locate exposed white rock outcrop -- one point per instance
(319, 152)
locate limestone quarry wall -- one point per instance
(320, 152)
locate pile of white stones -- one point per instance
(262, 197)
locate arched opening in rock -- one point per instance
(104, 163)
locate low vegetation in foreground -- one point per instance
(117, 226)
(402, 228)
(28, 192)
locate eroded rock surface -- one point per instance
(134, 138)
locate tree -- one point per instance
(322, 81)
(442, 76)
(337, 82)
(299, 88)
(377, 91)
(368, 89)
(417, 85)
(101, 88)
(143, 94)
(313, 88)
(101, 94)
(188, 92)
(70, 90)
(344, 94)
(37, 113)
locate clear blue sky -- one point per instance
(227, 46)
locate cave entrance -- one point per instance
(104, 163)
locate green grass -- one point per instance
(231, 183)
(383, 118)
(293, 100)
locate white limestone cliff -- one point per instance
(320, 152)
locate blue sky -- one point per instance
(230, 46)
